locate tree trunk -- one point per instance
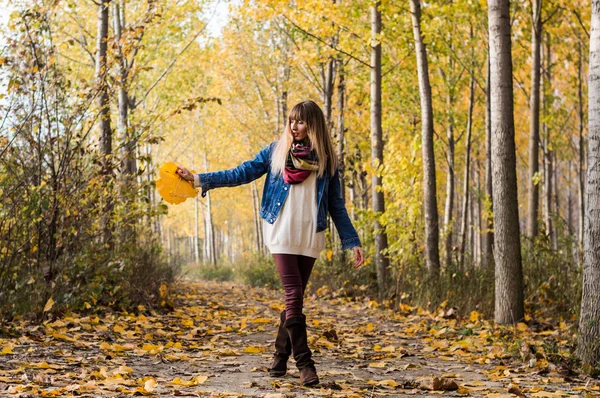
(257, 221)
(196, 231)
(432, 234)
(588, 347)
(581, 174)
(488, 234)
(328, 80)
(340, 125)
(465, 207)
(548, 173)
(534, 128)
(104, 115)
(340, 137)
(210, 228)
(477, 257)
(381, 241)
(450, 177)
(507, 245)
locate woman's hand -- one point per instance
(359, 256)
(185, 173)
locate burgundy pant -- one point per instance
(294, 271)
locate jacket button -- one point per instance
(285, 189)
(278, 204)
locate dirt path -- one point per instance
(218, 342)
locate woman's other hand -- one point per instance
(185, 173)
(359, 256)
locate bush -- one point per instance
(221, 273)
(259, 271)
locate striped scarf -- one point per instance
(300, 162)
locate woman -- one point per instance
(301, 187)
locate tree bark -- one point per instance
(465, 207)
(432, 234)
(488, 234)
(548, 167)
(257, 220)
(381, 240)
(196, 231)
(340, 125)
(507, 246)
(581, 174)
(450, 176)
(534, 128)
(210, 227)
(104, 115)
(588, 347)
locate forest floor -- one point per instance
(219, 342)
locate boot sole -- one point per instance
(310, 383)
(277, 373)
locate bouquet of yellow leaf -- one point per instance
(173, 188)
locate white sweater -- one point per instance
(294, 230)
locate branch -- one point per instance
(581, 23)
(170, 66)
(326, 43)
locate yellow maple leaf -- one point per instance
(118, 329)
(522, 327)
(7, 350)
(188, 383)
(261, 320)
(253, 350)
(474, 316)
(377, 365)
(150, 385)
(49, 305)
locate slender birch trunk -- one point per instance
(465, 207)
(488, 234)
(534, 128)
(432, 234)
(381, 240)
(340, 125)
(210, 227)
(104, 115)
(450, 176)
(548, 166)
(588, 347)
(507, 246)
(581, 174)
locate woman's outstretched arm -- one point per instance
(242, 174)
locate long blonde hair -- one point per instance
(318, 134)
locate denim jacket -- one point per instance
(329, 198)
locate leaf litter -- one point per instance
(218, 341)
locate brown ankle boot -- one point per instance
(296, 328)
(308, 376)
(283, 349)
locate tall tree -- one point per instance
(534, 129)
(581, 165)
(588, 349)
(548, 158)
(104, 111)
(450, 175)
(381, 241)
(507, 246)
(488, 234)
(465, 207)
(432, 233)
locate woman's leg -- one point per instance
(305, 265)
(294, 272)
(291, 278)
